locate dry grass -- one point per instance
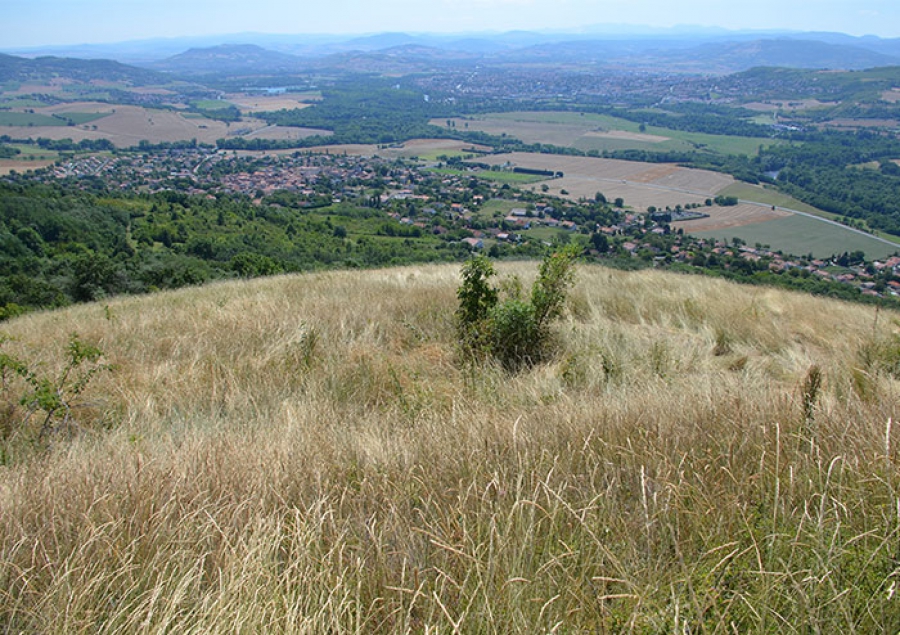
(304, 454)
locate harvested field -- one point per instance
(8, 165)
(413, 148)
(733, 216)
(528, 131)
(786, 105)
(892, 96)
(127, 126)
(628, 136)
(269, 103)
(282, 133)
(636, 196)
(77, 106)
(640, 184)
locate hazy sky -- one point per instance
(46, 22)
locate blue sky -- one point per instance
(48, 22)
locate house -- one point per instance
(474, 243)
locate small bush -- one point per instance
(513, 331)
(35, 405)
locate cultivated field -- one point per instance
(586, 132)
(249, 103)
(722, 218)
(640, 184)
(425, 149)
(797, 234)
(10, 165)
(267, 457)
(127, 126)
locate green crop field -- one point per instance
(769, 196)
(81, 118)
(212, 104)
(22, 102)
(29, 152)
(26, 119)
(802, 235)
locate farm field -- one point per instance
(18, 165)
(641, 185)
(127, 126)
(267, 103)
(513, 178)
(424, 149)
(798, 234)
(600, 132)
(768, 196)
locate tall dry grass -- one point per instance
(305, 454)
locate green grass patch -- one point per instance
(23, 102)
(212, 104)
(443, 155)
(499, 206)
(548, 234)
(800, 235)
(29, 152)
(81, 118)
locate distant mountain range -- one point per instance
(705, 51)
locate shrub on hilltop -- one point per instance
(514, 331)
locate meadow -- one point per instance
(265, 456)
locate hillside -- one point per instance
(306, 454)
(230, 59)
(19, 69)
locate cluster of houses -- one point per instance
(439, 203)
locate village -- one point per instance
(484, 214)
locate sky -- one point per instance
(64, 22)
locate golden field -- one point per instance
(307, 454)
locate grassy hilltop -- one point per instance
(305, 454)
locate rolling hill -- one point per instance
(307, 453)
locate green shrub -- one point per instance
(34, 405)
(512, 331)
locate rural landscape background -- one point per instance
(248, 384)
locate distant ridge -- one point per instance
(230, 58)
